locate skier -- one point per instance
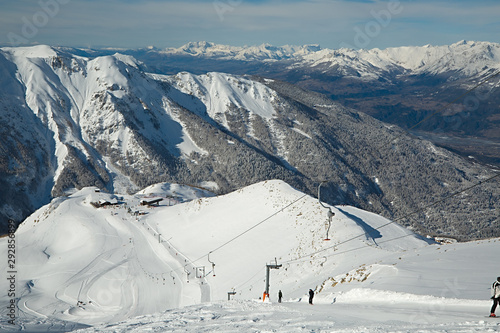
(311, 296)
(280, 296)
(495, 291)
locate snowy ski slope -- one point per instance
(133, 267)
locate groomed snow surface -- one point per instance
(98, 262)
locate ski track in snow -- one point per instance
(255, 316)
(130, 279)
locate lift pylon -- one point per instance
(268, 268)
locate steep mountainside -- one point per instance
(74, 121)
(400, 85)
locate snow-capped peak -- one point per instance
(466, 57)
(261, 52)
(469, 58)
(220, 92)
(38, 51)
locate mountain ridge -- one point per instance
(399, 85)
(106, 122)
(420, 59)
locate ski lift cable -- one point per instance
(324, 258)
(427, 206)
(350, 250)
(435, 202)
(405, 216)
(180, 268)
(244, 232)
(256, 225)
(400, 218)
(253, 227)
(355, 237)
(241, 285)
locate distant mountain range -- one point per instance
(466, 57)
(74, 118)
(401, 85)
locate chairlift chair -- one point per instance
(213, 264)
(187, 273)
(331, 214)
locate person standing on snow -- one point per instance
(280, 296)
(311, 296)
(495, 290)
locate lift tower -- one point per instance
(268, 268)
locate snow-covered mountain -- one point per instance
(400, 85)
(464, 58)
(71, 121)
(94, 258)
(264, 52)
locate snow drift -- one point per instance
(90, 264)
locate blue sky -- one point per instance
(172, 23)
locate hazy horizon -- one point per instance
(331, 24)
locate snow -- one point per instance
(183, 192)
(253, 316)
(75, 98)
(468, 58)
(38, 51)
(219, 91)
(419, 58)
(58, 89)
(121, 182)
(263, 52)
(301, 132)
(132, 268)
(126, 59)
